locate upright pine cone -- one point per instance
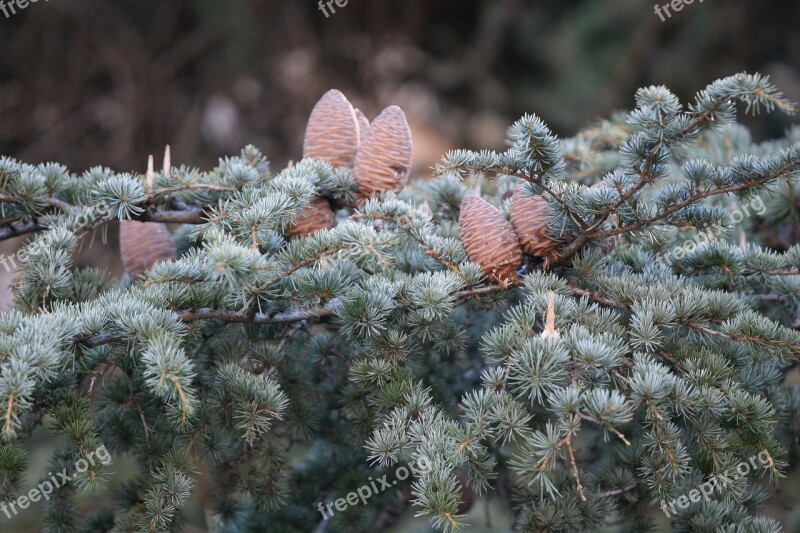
(489, 240)
(141, 244)
(319, 215)
(384, 158)
(529, 219)
(363, 124)
(332, 133)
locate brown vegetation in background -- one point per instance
(91, 82)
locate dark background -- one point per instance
(90, 83)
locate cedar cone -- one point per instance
(319, 215)
(529, 219)
(363, 124)
(332, 131)
(489, 240)
(141, 244)
(384, 158)
(467, 493)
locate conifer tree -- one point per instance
(529, 323)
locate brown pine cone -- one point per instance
(363, 124)
(384, 158)
(142, 244)
(468, 495)
(319, 215)
(332, 131)
(489, 240)
(529, 219)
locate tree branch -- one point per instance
(11, 231)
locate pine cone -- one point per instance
(529, 219)
(319, 215)
(489, 240)
(468, 494)
(141, 244)
(363, 124)
(332, 131)
(384, 158)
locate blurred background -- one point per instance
(107, 83)
(88, 83)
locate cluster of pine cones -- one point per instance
(497, 245)
(379, 153)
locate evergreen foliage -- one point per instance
(292, 371)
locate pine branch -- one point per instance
(185, 215)
(27, 228)
(790, 167)
(190, 187)
(328, 310)
(55, 202)
(769, 343)
(617, 492)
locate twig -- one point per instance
(575, 468)
(647, 177)
(616, 492)
(144, 421)
(326, 311)
(9, 412)
(55, 202)
(609, 428)
(193, 187)
(24, 229)
(191, 215)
